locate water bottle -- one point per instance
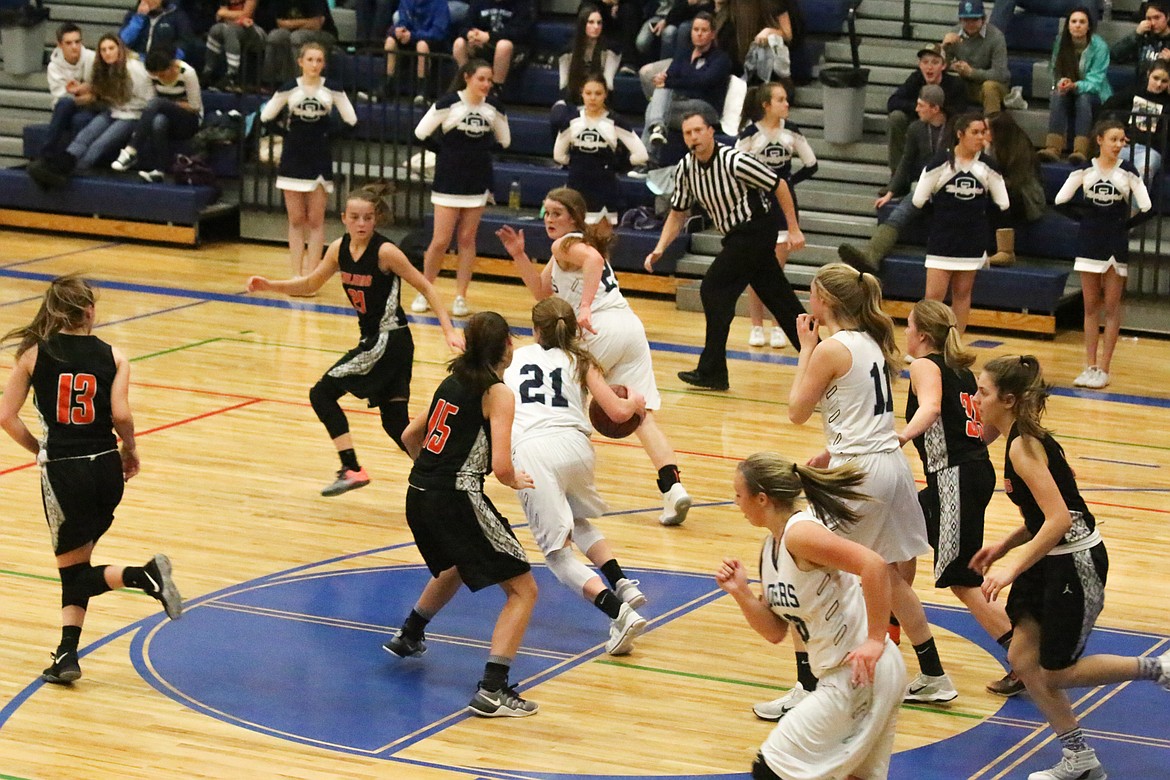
(514, 195)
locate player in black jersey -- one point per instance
(465, 434)
(80, 390)
(379, 368)
(1060, 569)
(944, 424)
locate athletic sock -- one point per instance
(608, 602)
(928, 660)
(668, 477)
(1149, 668)
(495, 673)
(1073, 740)
(349, 460)
(135, 577)
(70, 639)
(612, 572)
(804, 672)
(414, 626)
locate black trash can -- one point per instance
(844, 91)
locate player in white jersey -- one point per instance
(849, 377)
(835, 594)
(550, 440)
(580, 274)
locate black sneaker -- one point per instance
(162, 587)
(404, 647)
(702, 380)
(64, 670)
(504, 703)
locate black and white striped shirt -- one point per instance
(732, 187)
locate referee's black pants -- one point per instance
(748, 257)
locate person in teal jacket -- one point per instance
(1080, 64)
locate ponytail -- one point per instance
(1019, 376)
(826, 490)
(374, 193)
(555, 326)
(936, 321)
(62, 308)
(855, 298)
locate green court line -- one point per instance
(730, 681)
(175, 349)
(47, 578)
(11, 777)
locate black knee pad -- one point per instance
(395, 418)
(81, 581)
(323, 398)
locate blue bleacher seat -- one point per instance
(1053, 235)
(536, 181)
(111, 198)
(1016, 288)
(224, 159)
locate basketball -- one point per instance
(606, 426)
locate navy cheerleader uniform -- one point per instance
(776, 149)
(453, 522)
(468, 131)
(1065, 590)
(306, 162)
(960, 225)
(590, 148)
(959, 476)
(1103, 238)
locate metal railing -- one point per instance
(1149, 264)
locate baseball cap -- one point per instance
(933, 94)
(971, 9)
(935, 48)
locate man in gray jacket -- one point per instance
(978, 54)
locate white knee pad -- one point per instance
(570, 571)
(585, 535)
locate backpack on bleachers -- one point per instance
(194, 171)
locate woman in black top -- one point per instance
(1143, 110)
(1060, 569)
(80, 390)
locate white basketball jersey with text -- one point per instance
(858, 408)
(548, 397)
(567, 286)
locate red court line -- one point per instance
(156, 429)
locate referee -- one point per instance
(735, 189)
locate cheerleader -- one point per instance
(960, 186)
(775, 141)
(306, 166)
(1057, 576)
(589, 146)
(580, 273)
(1108, 184)
(379, 368)
(469, 122)
(550, 441)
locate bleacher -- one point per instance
(836, 205)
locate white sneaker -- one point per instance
(1079, 765)
(459, 307)
(756, 337)
(1015, 99)
(777, 708)
(628, 591)
(657, 135)
(623, 630)
(925, 688)
(676, 502)
(779, 340)
(420, 304)
(126, 159)
(1085, 377)
(154, 177)
(1098, 380)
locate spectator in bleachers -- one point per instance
(963, 185)
(774, 141)
(172, 115)
(496, 31)
(741, 23)
(623, 25)
(374, 18)
(122, 85)
(695, 80)
(306, 165)
(1149, 42)
(590, 145)
(234, 33)
(1080, 84)
(1003, 11)
(466, 125)
(420, 25)
(291, 24)
(70, 74)
(667, 23)
(589, 55)
(1143, 110)
(926, 139)
(1012, 150)
(155, 23)
(903, 104)
(978, 54)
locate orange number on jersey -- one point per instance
(357, 298)
(75, 394)
(438, 430)
(974, 421)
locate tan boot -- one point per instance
(1005, 244)
(1053, 148)
(1080, 152)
